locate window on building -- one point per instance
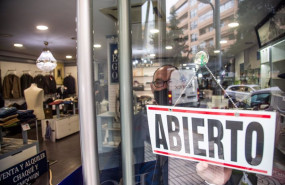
(183, 17)
(202, 31)
(182, 7)
(194, 37)
(203, 5)
(193, 2)
(210, 42)
(194, 49)
(202, 45)
(226, 6)
(193, 25)
(206, 16)
(185, 27)
(193, 14)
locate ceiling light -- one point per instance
(68, 56)
(168, 47)
(42, 27)
(152, 55)
(154, 31)
(223, 41)
(233, 24)
(97, 45)
(18, 45)
(217, 51)
(46, 62)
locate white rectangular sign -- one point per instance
(238, 139)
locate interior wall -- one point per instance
(20, 68)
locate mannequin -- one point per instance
(34, 97)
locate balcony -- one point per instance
(207, 36)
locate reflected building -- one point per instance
(197, 21)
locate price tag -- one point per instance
(25, 127)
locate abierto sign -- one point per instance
(237, 139)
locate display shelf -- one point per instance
(108, 132)
(13, 151)
(61, 127)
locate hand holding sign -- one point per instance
(213, 174)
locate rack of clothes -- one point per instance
(69, 84)
(14, 86)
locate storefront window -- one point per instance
(227, 87)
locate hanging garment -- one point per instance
(69, 83)
(50, 85)
(26, 81)
(40, 81)
(11, 87)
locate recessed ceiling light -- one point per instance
(18, 45)
(42, 27)
(217, 51)
(97, 45)
(154, 31)
(68, 56)
(233, 24)
(223, 41)
(152, 55)
(168, 47)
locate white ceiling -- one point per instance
(18, 20)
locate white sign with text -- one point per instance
(237, 139)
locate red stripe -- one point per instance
(156, 108)
(255, 115)
(209, 161)
(211, 113)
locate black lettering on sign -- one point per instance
(216, 139)
(159, 127)
(186, 134)
(234, 126)
(196, 122)
(173, 133)
(254, 127)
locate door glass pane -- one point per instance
(219, 140)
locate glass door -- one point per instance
(187, 56)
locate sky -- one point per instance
(169, 4)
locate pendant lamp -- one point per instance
(46, 62)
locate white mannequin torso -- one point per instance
(34, 98)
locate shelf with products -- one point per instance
(108, 131)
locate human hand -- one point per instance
(213, 174)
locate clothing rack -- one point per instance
(11, 70)
(27, 72)
(38, 73)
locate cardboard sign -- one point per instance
(25, 127)
(26, 171)
(242, 140)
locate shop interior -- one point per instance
(54, 126)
